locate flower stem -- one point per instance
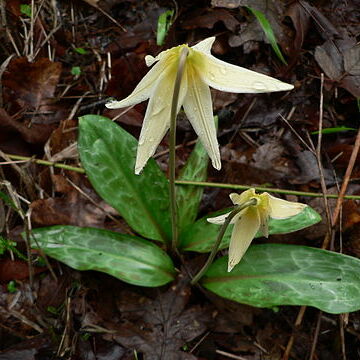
(174, 107)
(223, 228)
(42, 162)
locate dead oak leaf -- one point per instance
(33, 83)
(71, 208)
(166, 325)
(340, 60)
(209, 19)
(251, 31)
(34, 134)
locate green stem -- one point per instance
(172, 165)
(187, 183)
(45, 162)
(259, 188)
(223, 228)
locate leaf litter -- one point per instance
(93, 316)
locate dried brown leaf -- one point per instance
(32, 83)
(340, 60)
(210, 18)
(166, 325)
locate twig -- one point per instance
(316, 336)
(231, 356)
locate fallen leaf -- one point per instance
(31, 133)
(32, 83)
(340, 60)
(15, 270)
(301, 20)
(207, 19)
(251, 31)
(326, 29)
(168, 325)
(30, 349)
(65, 209)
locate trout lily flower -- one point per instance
(201, 71)
(254, 218)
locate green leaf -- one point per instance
(11, 286)
(266, 26)
(201, 235)
(273, 274)
(76, 71)
(163, 26)
(25, 9)
(333, 130)
(108, 153)
(9, 245)
(129, 258)
(81, 51)
(7, 200)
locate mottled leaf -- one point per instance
(108, 153)
(129, 258)
(201, 235)
(273, 274)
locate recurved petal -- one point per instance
(231, 78)
(282, 209)
(243, 234)
(238, 199)
(157, 117)
(198, 109)
(218, 220)
(150, 60)
(205, 45)
(143, 89)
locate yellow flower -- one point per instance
(254, 218)
(201, 71)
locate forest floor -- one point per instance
(65, 60)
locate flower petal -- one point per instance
(227, 77)
(243, 234)
(144, 88)
(238, 199)
(205, 45)
(282, 209)
(198, 109)
(218, 220)
(157, 117)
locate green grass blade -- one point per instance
(163, 26)
(269, 33)
(333, 130)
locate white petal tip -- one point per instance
(138, 170)
(149, 60)
(113, 105)
(211, 221)
(287, 87)
(216, 164)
